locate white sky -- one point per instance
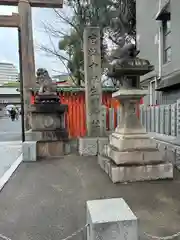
(9, 40)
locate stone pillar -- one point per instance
(27, 52)
(178, 119)
(173, 119)
(93, 90)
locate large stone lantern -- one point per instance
(131, 154)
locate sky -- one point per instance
(9, 40)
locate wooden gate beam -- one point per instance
(9, 21)
(35, 3)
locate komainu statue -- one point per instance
(47, 90)
(45, 82)
(121, 55)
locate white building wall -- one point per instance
(8, 73)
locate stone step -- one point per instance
(136, 157)
(132, 141)
(135, 173)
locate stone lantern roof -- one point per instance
(130, 67)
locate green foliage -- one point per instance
(99, 13)
(71, 44)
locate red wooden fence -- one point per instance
(76, 116)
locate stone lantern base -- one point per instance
(131, 155)
(49, 136)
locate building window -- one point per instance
(166, 26)
(167, 55)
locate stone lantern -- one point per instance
(49, 135)
(131, 154)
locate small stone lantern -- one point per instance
(48, 118)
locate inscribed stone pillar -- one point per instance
(27, 51)
(93, 90)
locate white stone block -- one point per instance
(177, 163)
(146, 156)
(29, 151)
(88, 146)
(111, 219)
(124, 142)
(67, 148)
(101, 143)
(171, 154)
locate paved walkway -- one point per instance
(47, 200)
(10, 131)
(9, 152)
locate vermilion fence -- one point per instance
(76, 116)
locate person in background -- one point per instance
(17, 113)
(12, 114)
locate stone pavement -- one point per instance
(47, 199)
(10, 131)
(9, 152)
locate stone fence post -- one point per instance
(162, 125)
(167, 119)
(111, 219)
(173, 119)
(148, 119)
(178, 118)
(157, 119)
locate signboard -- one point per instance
(2, 101)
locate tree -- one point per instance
(115, 18)
(96, 15)
(123, 24)
(72, 45)
(72, 42)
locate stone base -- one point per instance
(88, 146)
(34, 150)
(29, 151)
(136, 172)
(52, 149)
(102, 142)
(144, 156)
(131, 141)
(33, 136)
(92, 146)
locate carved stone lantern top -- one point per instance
(130, 67)
(126, 63)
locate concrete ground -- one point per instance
(9, 152)
(10, 144)
(47, 200)
(10, 131)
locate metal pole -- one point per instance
(21, 86)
